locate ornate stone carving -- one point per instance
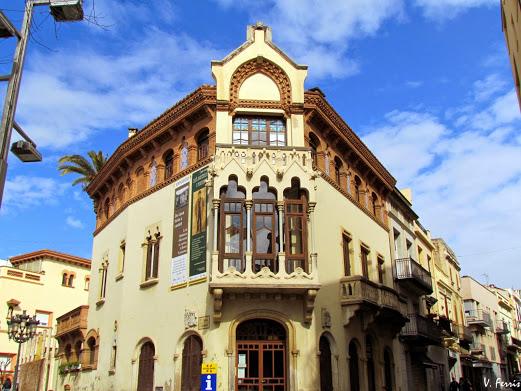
(299, 274)
(268, 68)
(190, 319)
(231, 272)
(265, 272)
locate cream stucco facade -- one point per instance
(249, 227)
(45, 283)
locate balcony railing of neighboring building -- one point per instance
(408, 270)
(19, 274)
(478, 317)
(420, 327)
(358, 292)
(464, 333)
(72, 321)
(477, 348)
(502, 328)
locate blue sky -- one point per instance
(426, 84)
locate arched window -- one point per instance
(91, 343)
(374, 203)
(265, 235)
(338, 167)
(168, 160)
(371, 382)
(77, 351)
(152, 177)
(183, 162)
(388, 370)
(191, 366)
(140, 179)
(65, 278)
(203, 144)
(358, 184)
(121, 194)
(70, 281)
(326, 370)
(314, 144)
(152, 255)
(106, 208)
(295, 223)
(68, 353)
(145, 379)
(233, 226)
(354, 372)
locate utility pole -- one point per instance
(62, 10)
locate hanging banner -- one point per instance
(197, 269)
(180, 239)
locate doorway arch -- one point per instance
(261, 362)
(145, 378)
(326, 368)
(191, 364)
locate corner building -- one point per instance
(245, 226)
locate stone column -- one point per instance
(281, 254)
(215, 253)
(312, 248)
(249, 267)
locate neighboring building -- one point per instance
(424, 359)
(46, 283)
(449, 304)
(510, 15)
(245, 226)
(505, 323)
(480, 306)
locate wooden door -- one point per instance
(145, 378)
(326, 370)
(261, 366)
(191, 366)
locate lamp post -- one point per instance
(62, 11)
(20, 328)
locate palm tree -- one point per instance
(77, 164)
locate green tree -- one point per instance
(77, 164)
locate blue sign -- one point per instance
(209, 382)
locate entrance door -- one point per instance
(326, 372)
(261, 356)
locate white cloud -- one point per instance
(25, 191)
(74, 222)
(86, 90)
(319, 35)
(414, 83)
(447, 9)
(466, 178)
(492, 84)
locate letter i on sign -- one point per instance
(208, 383)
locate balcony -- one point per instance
(421, 330)
(413, 276)
(477, 348)
(246, 282)
(19, 274)
(464, 333)
(379, 303)
(480, 318)
(502, 328)
(74, 321)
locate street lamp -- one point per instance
(20, 328)
(62, 11)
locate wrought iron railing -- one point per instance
(479, 316)
(420, 326)
(408, 268)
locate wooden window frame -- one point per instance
(152, 252)
(222, 254)
(203, 144)
(265, 256)
(347, 241)
(380, 263)
(250, 130)
(365, 251)
(291, 259)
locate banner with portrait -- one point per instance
(180, 236)
(197, 265)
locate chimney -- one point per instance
(132, 132)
